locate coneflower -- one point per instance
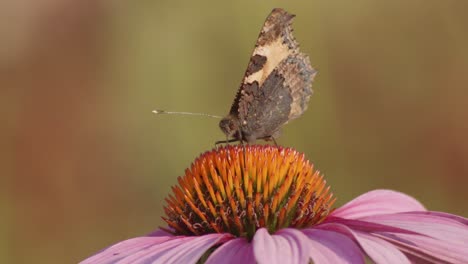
(267, 204)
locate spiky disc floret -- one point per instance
(227, 191)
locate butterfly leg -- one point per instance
(274, 140)
(242, 144)
(225, 141)
(270, 138)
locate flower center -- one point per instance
(239, 189)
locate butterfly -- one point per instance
(276, 86)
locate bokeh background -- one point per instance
(84, 162)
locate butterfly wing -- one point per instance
(277, 83)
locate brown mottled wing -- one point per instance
(283, 96)
(269, 50)
(277, 84)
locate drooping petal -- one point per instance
(124, 249)
(418, 259)
(289, 246)
(298, 242)
(378, 202)
(367, 227)
(429, 249)
(159, 249)
(444, 229)
(191, 251)
(424, 237)
(457, 218)
(330, 247)
(380, 251)
(232, 252)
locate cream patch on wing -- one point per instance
(275, 52)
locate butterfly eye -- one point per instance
(226, 125)
(232, 126)
(229, 125)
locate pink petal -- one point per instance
(431, 238)
(124, 248)
(445, 229)
(378, 250)
(365, 226)
(429, 249)
(289, 246)
(192, 251)
(233, 251)
(299, 243)
(457, 218)
(330, 247)
(159, 249)
(378, 202)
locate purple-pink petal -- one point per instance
(290, 246)
(378, 250)
(456, 218)
(444, 229)
(159, 249)
(234, 251)
(124, 249)
(329, 247)
(364, 226)
(192, 251)
(428, 237)
(298, 242)
(428, 248)
(378, 202)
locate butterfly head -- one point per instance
(230, 125)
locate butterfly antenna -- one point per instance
(164, 112)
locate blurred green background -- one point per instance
(85, 163)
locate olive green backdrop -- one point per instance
(85, 163)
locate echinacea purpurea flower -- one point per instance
(271, 206)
